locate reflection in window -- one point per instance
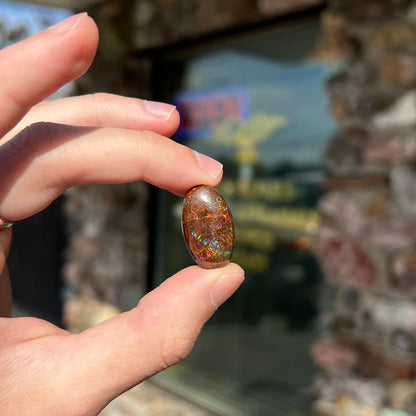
(265, 118)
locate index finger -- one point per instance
(33, 69)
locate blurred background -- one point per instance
(310, 105)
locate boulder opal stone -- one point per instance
(207, 226)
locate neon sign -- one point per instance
(202, 112)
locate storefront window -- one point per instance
(257, 104)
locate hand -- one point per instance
(44, 370)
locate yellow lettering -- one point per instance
(268, 190)
(253, 261)
(305, 219)
(255, 237)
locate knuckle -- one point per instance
(26, 139)
(104, 105)
(102, 99)
(99, 96)
(176, 336)
(175, 348)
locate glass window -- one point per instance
(255, 102)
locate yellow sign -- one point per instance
(245, 136)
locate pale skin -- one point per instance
(44, 370)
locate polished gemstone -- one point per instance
(207, 226)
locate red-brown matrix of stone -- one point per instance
(207, 226)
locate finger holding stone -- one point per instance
(159, 332)
(46, 158)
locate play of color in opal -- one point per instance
(207, 226)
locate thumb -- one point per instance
(121, 352)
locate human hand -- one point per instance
(44, 370)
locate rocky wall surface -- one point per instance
(193, 18)
(366, 244)
(108, 250)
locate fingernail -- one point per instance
(69, 23)
(224, 288)
(160, 110)
(209, 165)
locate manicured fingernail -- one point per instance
(160, 110)
(225, 287)
(209, 165)
(69, 23)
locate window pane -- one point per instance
(257, 104)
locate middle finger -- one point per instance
(44, 159)
(103, 110)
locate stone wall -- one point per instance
(367, 242)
